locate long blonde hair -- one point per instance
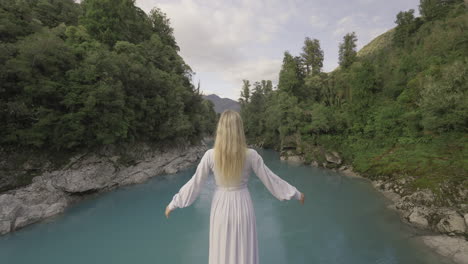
(230, 148)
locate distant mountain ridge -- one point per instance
(221, 104)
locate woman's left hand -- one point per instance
(168, 211)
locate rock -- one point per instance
(350, 173)
(452, 222)
(333, 157)
(401, 181)
(388, 185)
(9, 207)
(51, 192)
(5, 227)
(90, 174)
(54, 209)
(314, 163)
(418, 217)
(394, 197)
(32, 214)
(377, 184)
(454, 247)
(295, 159)
(422, 197)
(170, 169)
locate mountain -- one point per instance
(222, 104)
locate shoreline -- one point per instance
(443, 229)
(86, 175)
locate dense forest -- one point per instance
(81, 75)
(396, 108)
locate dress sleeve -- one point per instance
(190, 191)
(278, 187)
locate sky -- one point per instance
(226, 41)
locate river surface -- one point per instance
(343, 221)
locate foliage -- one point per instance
(397, 108)
(347, 50)
(312, 56)
(100, 72)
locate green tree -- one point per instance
(434, 9)
(162, 26)
(347, 50)
(312, 56)
(406, 25)
(245, 92)
(112, 20)
(443, 99)
(291, 78)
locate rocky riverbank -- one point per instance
(88, 174)
(446, 227)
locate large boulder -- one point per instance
(418, 217)
(333, 157)
(10, 206)
(32, 214)
(451, 222)
(5, 227)
(455, 248)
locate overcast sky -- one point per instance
(227, 41)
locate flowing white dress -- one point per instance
(233, 233)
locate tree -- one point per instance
(347, 50)
(112, 20)
(434, 9)
(291, 76)
(443, 99)
(406, 25)
(312, 56)
(245, 92)
(162, 26)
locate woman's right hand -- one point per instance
(302, 198)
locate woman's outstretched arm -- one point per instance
(190, 191)
(278, 187)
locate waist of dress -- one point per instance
(231, 188)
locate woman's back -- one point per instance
(254, 163)
(246, 170)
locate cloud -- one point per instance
(216, 36)
(255, 70)
(317, 22)
(212, 34)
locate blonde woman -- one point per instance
(233, 233)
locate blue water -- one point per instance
(343, 220)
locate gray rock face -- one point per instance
(452, 222)
(51, 192)
(418, 217)
(5, 227)
(92, 173)
(423, 197)
(454, 247)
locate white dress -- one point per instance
(233, 233)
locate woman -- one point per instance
(233, 233)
